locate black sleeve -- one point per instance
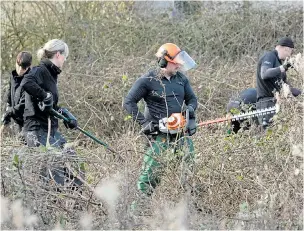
(190, 97)
(284, 78)
(138, 91)
(268, 70)
(21, 103)
(9, 95)
(31, 86)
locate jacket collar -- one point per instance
(15, 75)
(161, 75)
(277, 55)
(53, 69)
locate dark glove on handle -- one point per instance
(6, 117)
(47, 103)
(72, 123)
(287, 65)
(295, 92)
(191, 111)
(191, 129)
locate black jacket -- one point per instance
(40, 80)
(162, 96)
(269, 75)
(16, 97)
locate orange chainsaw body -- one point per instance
(172, 124)
(176, 121)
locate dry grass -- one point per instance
(251, 180)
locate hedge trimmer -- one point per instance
(177, 122)
(242, 116)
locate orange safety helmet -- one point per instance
(169, 52)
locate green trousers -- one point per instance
(153, 164)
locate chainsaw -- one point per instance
(242, 116)
(174, 124)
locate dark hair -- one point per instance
(24, 59)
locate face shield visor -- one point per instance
(186, 62)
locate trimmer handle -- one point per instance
(187, 119)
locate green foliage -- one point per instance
(124, 78)
(244, 207)
(128, 117)
(62, 221)
(16, 161)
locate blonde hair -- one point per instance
(51, 48)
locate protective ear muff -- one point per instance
(162, 62)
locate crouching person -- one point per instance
(41, 97)
(271, 76)
(244, 102)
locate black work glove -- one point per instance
(6, 117)
(191, 111)
(286, 65)
(47, 103)
(72, 123)
(148, 127)
(295, 92)
(191, 129)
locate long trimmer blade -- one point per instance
(242, 116)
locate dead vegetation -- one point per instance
(252, 180)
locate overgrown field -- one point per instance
(252, 180)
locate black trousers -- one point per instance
(262, 103)
(57, 171)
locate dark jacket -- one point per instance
(40, 80)
(269, 75)
(162, 96)
(16, 97)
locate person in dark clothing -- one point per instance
(165, 90)
(41, 96)
(16, 96)
(271, 74)
(244, 102)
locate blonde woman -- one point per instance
(41, 94)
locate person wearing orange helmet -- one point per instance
(166, 91)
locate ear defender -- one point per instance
(162, 62)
